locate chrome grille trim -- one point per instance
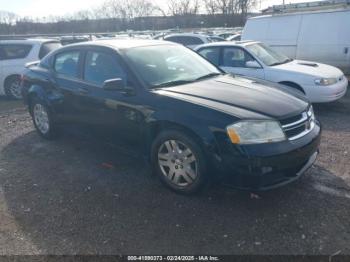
(307, 120)
(301, 120)
(312, 125)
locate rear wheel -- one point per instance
(42, 119)
(179, 162)
(13, 87)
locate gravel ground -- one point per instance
(80, 196)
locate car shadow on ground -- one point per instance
(8, 104)
(80, 196)
(334, 115)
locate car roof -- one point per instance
(187, 34)
(123, 43)
(28, 41)
(228, 43)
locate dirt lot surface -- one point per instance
(80, 196)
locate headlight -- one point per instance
(310, 113)
(255, 132)
(325, 81)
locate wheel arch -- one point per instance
(293, 85)
(6, 82)
(35, 91)
(155, 128)
(12, 75)
(202, 137)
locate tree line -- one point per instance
(118, 15)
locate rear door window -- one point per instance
(67, 63)
(14, 51)
(47, 48)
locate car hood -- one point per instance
(310, 68)
(237, 96)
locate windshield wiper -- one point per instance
(208, 76)
(283, 62)
(172, 83)
(182, 82)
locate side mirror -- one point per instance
(114, 84)
(252, 64)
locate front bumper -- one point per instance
(323, 94)
(267, 166)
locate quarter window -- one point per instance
(100, 67)
(47, 48)
(8, 52)
(211, 54)
(67, 63)
(236, 57)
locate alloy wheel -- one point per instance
(15, 89)
(177, 163)
(41, 118)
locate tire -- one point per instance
(13, 87)
(43, 119)
(293, 85)
(179, 162)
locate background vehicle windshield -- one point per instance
(215, 39)
(268, 56)
(162, 64)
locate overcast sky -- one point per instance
(40, 8)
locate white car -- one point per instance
(14, 55)
(192, 40)
(319, 82)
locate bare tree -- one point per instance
(243, 6)
(7, 18)
(226, 7)
(125, 9)
(183, 7)
(211, 6)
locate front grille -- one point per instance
(298, 126)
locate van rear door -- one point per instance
(278, 31)
(324, 37)
(344, 40)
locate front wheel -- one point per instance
(42, 119)
(179, 162)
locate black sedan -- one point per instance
(193, 122)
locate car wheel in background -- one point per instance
(179, 162)
(293, 85)
(42, 119)
(13, 87)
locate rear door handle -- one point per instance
(346, 50)
(83, 90)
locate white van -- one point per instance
(322, 36)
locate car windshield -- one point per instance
(215, 39)
(268, 56)
(169, 65)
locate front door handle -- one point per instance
(83, 90)
(346, 50)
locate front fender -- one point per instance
(202, 123)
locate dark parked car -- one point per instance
(194, 122)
